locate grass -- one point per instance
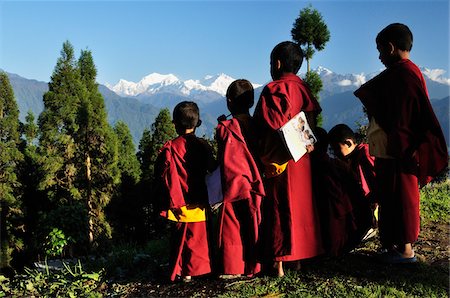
(131, 271)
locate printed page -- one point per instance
(297, 134)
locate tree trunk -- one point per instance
(91, 212)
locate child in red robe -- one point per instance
(239, 215)
(339, 198)
(290, 224)
(343, 142)
(180, 171)
(406, 140)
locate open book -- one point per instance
(297, 134)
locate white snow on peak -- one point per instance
(220, 83)
(323, 71)
(436, 75)
(156, 82)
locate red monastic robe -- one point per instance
(243, 190)
(398, 100)
(363, 165)
(340, 202)
(180, 175)
(290, 222)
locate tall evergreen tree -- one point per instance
(310, 32)
(162, 130)
(97, 151)
(58, 156)
(57, 126)
(127, 209)
(11, 215)
(144, 154)
(33, 200)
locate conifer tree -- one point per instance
(127, 209)
(58, 152)
(162, 130)
(11, 215)
(33, 200)
(57, 126)
(311, 32)
(144, 155)
(97, 151)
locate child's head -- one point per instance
(393, 43)
(342, 140)
(286, 57)
(240, 97)
(186, 117)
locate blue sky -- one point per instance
(191, 39)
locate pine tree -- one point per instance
(162, 130)
(128, 164)
(11, 215)
(97, 152)
(33, 200)
(58, 157)
(144, 155)
(127, 209)
(311, 32)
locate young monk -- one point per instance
(356, 155)
(239, 216)
(405, 138)
(180, 171)
(290, 223)
(339, 198)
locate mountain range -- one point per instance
(138, 103)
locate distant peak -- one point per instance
(323, 70)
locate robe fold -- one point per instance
(363, 165)
(290, 222)
(343, 209)
(240, 214)
(398, 100)
(180, 171)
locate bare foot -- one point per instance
(278, 266)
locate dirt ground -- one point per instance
(432, 248)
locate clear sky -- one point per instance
(191, 39)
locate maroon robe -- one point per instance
(290, 222)
(243, 190)
(363, 165)
(398, 100)
(180, 172)
(340, 200)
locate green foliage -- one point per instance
(57, 126)
(11, 213)
(310, 31)
(128, 163)
(71, 220)
(315, 84)
(435, 202)
(97, 153)
(144, 154)
(55, 242)
(71, 281)
(127, 210)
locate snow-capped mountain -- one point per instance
(333, 83)
(159, 83)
